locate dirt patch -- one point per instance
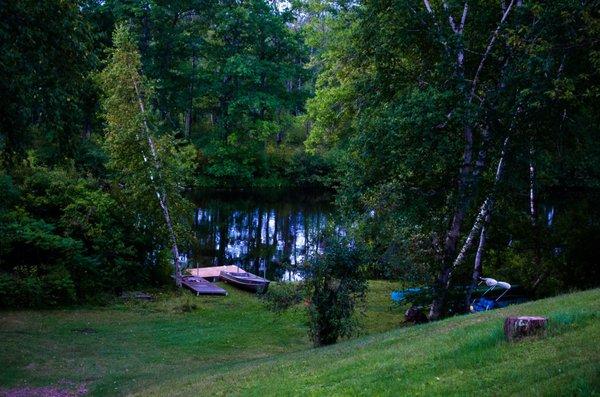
(31, 366)
(46, 391)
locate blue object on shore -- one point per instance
(482, 304)
(399, 296)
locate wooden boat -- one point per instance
(201, 286)
(246, 281)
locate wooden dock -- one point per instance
(199, 279)
(213, 272)
(201, 286)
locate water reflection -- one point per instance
(271, 237)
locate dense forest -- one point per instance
(458, 138)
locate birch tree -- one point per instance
(146, 162)
(440, 99)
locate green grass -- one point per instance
(234, 346)
(136, 345)
(464, 355)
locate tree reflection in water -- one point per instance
(267, 236)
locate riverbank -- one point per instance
(181, 345)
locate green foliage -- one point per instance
(257, 86)
(335, 283)
(392, 105)
(147, 161)
(228, 77)
(282, 296)
(567, 244)
(338, 82)
(65, 240)
(45, 64)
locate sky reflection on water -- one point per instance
(269, 238)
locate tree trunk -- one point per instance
(516, 328)
(451, 241)
(160, 193)
(478, 265)
(533, 210)
(188, 122)
(189, 111)
(443, 280)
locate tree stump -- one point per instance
(516, 328)
(415, 315)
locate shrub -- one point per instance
(335, 283)
(68, 239)
(8, 290)
(30, 287)
(59, 286)
(281, 296)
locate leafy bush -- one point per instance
(29, 288)
(281, 296)
(335, 283)
(66, 239)
(59, 286)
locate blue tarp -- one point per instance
(479, 304)
(482, 304)
(399, 296)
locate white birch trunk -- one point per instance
(483, 213)
(533, 215)
(160, 193)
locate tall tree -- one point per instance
(437, 103)
(146, 162)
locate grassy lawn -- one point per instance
(464, 355)
(233, 345)
(128, 347)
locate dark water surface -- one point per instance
(267, 233)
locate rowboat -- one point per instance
(245, 281)
(202, 286)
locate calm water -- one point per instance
(269, 234)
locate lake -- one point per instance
(268, 233)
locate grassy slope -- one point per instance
(460, 356)
(139, 345)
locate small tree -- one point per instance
(335, 282)
(147, 163)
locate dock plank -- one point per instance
(214, 272)
(202, 286)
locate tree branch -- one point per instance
(464, 17)
(488, 50)
(437, 26)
